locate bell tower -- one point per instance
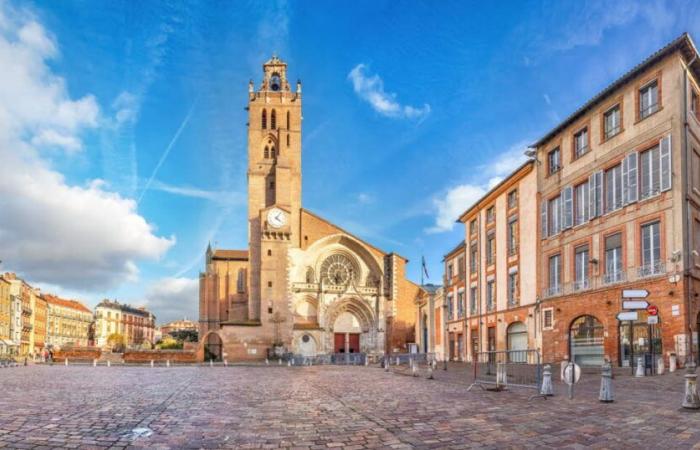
(274, 191)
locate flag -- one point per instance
(424, 268)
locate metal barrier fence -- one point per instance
(409, 358)
(521, 368)
(349, 359)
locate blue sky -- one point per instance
(122, 128)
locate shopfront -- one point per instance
(586, 336)
(640, 338)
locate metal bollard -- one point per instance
(501, 376)
(94, 363)
(691, 400)
(414, 369)
(225, 363)
(606, 388)
(109, 363)
(366, 361)
(267, 362)
(289, 363)
(640, 368)
(152, 364)
(398, 360)
(386, 364)
(211, 363)
(167, 363)
(430, 371)
(65, 362)
(546, 389)
(660, 366)
(279, 362)
(672, 363)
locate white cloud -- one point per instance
(370, 88)
(174, 298)
(364, 198)
(220, 197)
(53, 232)
(457, 199)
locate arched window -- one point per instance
(517, 342)
(287, 139)
(273, 120)
(288, 127)
(273, 153)
(241, 281)
(267, 152)
(264, 119)
(586, 340)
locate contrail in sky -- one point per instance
(165, 154)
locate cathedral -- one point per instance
(304, 285)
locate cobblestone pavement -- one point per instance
(326, 407)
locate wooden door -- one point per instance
(354, 343)
(339, 343)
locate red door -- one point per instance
(354, 344)
(339, 343)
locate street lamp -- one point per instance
(445, 349)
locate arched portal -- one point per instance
(213, 347)
(517, 342)
(352, 325)
(586, 341)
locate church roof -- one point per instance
(275, 61)
(231, 255)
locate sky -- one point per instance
(123, 129)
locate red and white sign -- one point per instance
(653, 310)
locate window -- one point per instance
(473, 293)
(649, 173)
(613, 188)
(267, 152)
(490, 249)
(513, 199)
(581, 203)
(491, 214)
(648, 99)
(264, 119)
(554, 274)
(611, 121)
(450, 307)
(287, 139)
(460, 304)
(449, 272)
(472, 227)
(554, 161)
(581, 268)
(513, 237)
(513, 288)
(651, 250)
(288, 122)
(460, 267)
(613, 259)
(490, 295)
(581, 143)
(473, 258)
(273, 120)
(554, 215)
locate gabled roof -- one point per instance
(73, 304)
(230, 255)
(683, 43)
(455, 250)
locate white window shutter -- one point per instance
(586, 201)
(631, 181)
(591, 196)
(598, 193)
(568, 207)
(625, 171)
(665, 163)
(543, 218)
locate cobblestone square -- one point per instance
(326, 407)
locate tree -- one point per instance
(116, 341)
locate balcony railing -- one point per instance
(652, 269)
(582, 285)
(615, 277)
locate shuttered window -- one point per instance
(613, 188)
(581, 201)
(554, 218)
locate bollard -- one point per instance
(606, 388)
(167, 363)
(279, 362)
(225, 363)
(546, 388)
(501, 376)
(691, 400)
(94, 363)
(672, 363)
(386, 364)
(289, 363)
(211, 362)
(109, 363)
(152, 364)
(398, 361)
(640, 368)
(571, 378)
(430, 371)
(414, 369)
(660, 366)
(267, 362)
(366, 361)
(65, 362)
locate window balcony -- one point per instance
(513, 250)
(490, 306)
(581, 285)
(648, 111)
(553, 291)
(614, 277)
(651, 269)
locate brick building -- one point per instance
(304, 285)
(69, 322)
(455, 302)
(619, 183)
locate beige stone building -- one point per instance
(135, 325)
(68, 322)
(501, 246)
(430, 323)
(6, 344)
(305, 285)
(455, 296)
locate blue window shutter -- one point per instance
(665, 163)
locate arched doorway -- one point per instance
(517, 342)
(213, 347)
(346, 333)
(425, 333)
(586, 336)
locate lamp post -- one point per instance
(445, 350)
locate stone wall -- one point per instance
(146, 356)
(77, 354)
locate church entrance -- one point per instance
(213, 348)
(346, 343)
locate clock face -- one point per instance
(275, 83)
(276, 218)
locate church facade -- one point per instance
(304, 286)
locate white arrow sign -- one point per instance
(635, 293)
(634, 304)
(627, 315)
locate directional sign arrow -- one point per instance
(635, 304)
(635, 293)
(627, 315)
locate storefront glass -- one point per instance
(586, 339)
(640, 339)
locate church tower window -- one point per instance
(288, 127)
(267, 152)
(273, 120)
(287, 139)
(264, 119)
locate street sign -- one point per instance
(566, 375)
(653, 310)
(652, 320)
(635, 293)
(628, 315)
(635, 304)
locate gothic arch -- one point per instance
(273, 120)
(336, 243)
(355, 306)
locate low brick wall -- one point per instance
(77, 354)
(146, 356)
